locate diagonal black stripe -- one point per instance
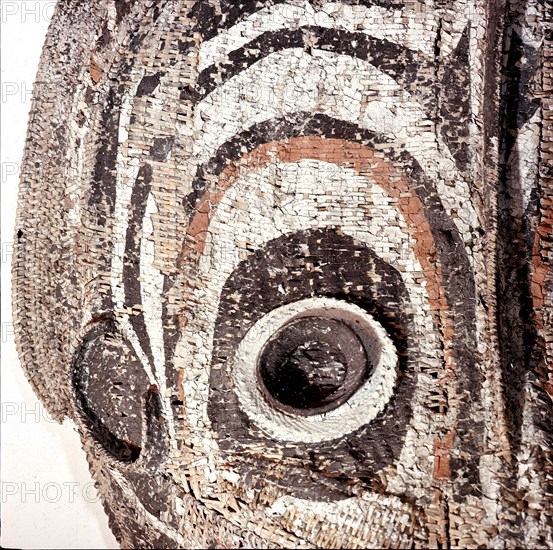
(398, 62)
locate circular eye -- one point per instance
(314, 369)
(312, 365)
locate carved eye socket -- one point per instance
(315, 369)
(312, 365)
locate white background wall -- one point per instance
(48, 496)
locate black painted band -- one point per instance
(398, 62)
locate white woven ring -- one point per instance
(362, 407)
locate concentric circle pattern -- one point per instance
(368, 379)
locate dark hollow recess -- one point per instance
(312, 365)
(109, 383)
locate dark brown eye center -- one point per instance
(320, 368)
(312, 365)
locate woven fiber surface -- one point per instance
(287, 265)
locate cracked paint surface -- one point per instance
(210, 184)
